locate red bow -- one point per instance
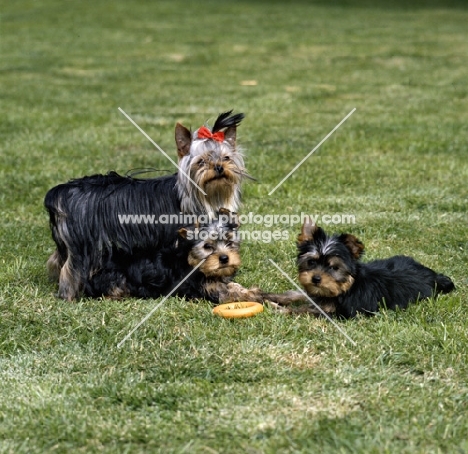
(205, 133)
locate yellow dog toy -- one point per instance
(238, 310)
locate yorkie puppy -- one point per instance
(332, 274)
(85, 214)
(201, 264)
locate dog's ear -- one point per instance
(355, 246)
(230, 136)
(309, 229)
(183, 232)
(234, 220)
(183, 138)
(188, 233)
(229, 217)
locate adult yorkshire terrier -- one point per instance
(86, 214)
(332, 274)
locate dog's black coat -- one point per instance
(150, 274)
(361, 287)
(84, 213)
(200, 264)
(394, 282)
(90, 206)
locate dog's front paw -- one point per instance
(278, 308)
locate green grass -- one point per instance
(186, 381)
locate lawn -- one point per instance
(187, 381)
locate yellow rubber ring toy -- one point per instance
(238, 310)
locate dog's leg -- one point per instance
(54, 266)
(280, 301)
(68, 283)
(233, 292)
(286, 298)
(304, 309)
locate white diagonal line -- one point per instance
(304, 159)
(313, 302)
(161, 150)
(155, 308)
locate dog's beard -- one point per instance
(221, 191)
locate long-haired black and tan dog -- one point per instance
(86, 214)
(200, 265)
(332, 274)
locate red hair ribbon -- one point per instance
(205, 133)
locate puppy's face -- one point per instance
(327, 264)
(217, 245)
(324, 275)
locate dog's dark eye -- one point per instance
(226, 158)
(334, 267)
(201, 163)
(229, 244)
(208, 247)
(311, 262)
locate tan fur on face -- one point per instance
(205, 175)
(327, 287)
(212, 267)
(219, 191)
(222, 189)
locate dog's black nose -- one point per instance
(316, 279)
(219, 169)
(223, 259)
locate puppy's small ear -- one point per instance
(234, 220)
(229, 217)
(230, 136)
(355, 246)
(183, 232)
(183, 139)
(309, 229)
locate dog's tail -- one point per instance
(444, 284)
